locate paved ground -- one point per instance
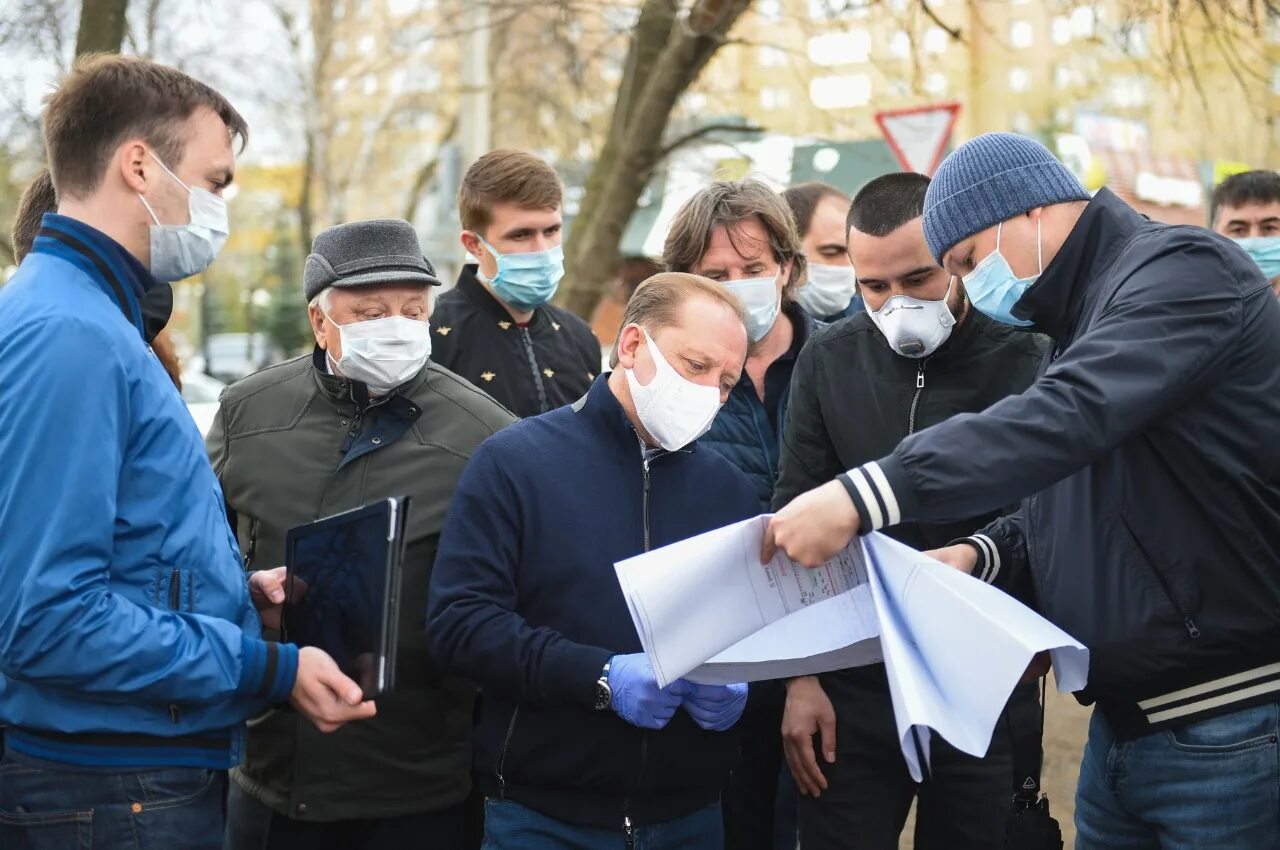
(1066, 724)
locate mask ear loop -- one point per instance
(150, 211)
(160, 163)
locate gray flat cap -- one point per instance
(361, 253)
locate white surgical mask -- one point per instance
(673, 409)
(760, 296)
(383, 353)
(829, 290)
(913, 327)
(180, 250)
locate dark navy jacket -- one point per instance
(745, 432)
(524, 600)
(1147, 457)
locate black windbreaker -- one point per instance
(528, 370)
(1147, 457)
(853, 399)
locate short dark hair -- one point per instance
(107, 100)
(37, 199)
(728, 203)
(887, 203)
(804, 199)
(1257, 187)
(506, 175)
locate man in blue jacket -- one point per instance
(577, 747)
(130, 653)
(1146, 457)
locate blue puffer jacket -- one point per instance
(742, 432)
(127, 638)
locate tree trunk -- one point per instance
(101, 26)
(665, 58)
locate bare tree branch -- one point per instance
(704, 131)
(933, 16)
(427, 173)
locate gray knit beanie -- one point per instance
(991, 179)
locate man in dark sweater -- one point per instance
(497, 327)
(923, 355)
(577, 746)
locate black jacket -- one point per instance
(853, 399)
(746, 431)
(525, 601)
(529, 370)
(1147, 453)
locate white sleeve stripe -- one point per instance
(993, 569)
(876, 474)
(984, 555)
(868, 498)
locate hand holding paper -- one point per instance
(813, 528)
(706, 611)
(637, 698)
(713, 707)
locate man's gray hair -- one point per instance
(322, 300)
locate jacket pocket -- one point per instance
(1182, 596)
(172, 592)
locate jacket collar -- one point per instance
(602, 408)
(1056, 300)
(344, 390)
(116, 272)
(803, 326)
(485, 301)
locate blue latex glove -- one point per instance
(713, 707)
(636, 696)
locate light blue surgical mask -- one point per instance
(526, 281)
(1265, 251)
(993, 288)
(760, 296)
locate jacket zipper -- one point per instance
(251, 550)
(533, 367)
(175, 604)
(502, 755)
(646, 502)
(627, 828)
(1193, 631)
(915, 400)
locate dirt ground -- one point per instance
(1066, 725)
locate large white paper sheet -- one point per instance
(954, 647)
(693, 600)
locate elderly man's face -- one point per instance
(363, 304)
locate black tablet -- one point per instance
(342, 590)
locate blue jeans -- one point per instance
(1209, 785)
(48, 806)
(511, 826)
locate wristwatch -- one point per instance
(604, 696)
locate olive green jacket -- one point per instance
(291, 445)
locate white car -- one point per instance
(201, 393)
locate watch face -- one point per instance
(604, 697)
